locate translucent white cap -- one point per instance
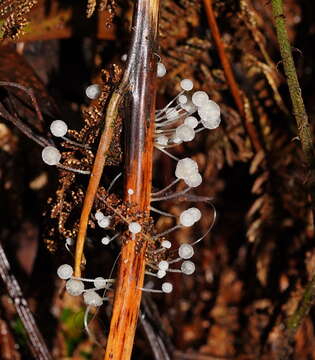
(200, 98)
(69, 241)
(99, 282)
(189, 107)
(171, 113)
(65, 271)
(167, 287)
(191, 121)
(185, 168)
(92, 298)
(186, 251)
(209, 110)
(74, 287)
(188, 267)
(161, 69)
(163, 265)
(51, 155)
(93, 91)
(186, 84)
(193, 180)
(186, 219)
(162, 140)
(182, 99)
(166, 244)
(134, 227)
(105, 240)
(58, 128)
(99, 215)
(161, 274)
(185, 132)
(104, 222)
(211, 123)
(195, 213)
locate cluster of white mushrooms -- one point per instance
(174, 124)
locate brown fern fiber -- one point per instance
(139, 129)
(227, 68)
(95, 177)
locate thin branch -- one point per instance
(305, 135)
(36, 341)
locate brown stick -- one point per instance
(141, 68)
(228, 71)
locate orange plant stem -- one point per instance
(139, 128)
(95, 178)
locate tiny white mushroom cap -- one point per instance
(99, 215)
(200, 98)
(124, 57)
(161, 69)
(99, 282)
(166, 244)
(185, 168)
(185, 132)
(186, 84)
(51, 155)
(209, 110)
(193, 180)
(186, 219)
(211, 123)
(171, 113)
(74, 287)
(189, 107)
(186, 251)
(167, 287)
(196, 213)
(104, 222)
(163, 265)
(161, 274)
(105, 240)
(92, 298)
(58, 128)
(134, 227)
(162, 140)
(182, 99)
(65, 271)
(176, 140)
(188, 267)
(191, 121)
(69, 241)
(93, 91)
